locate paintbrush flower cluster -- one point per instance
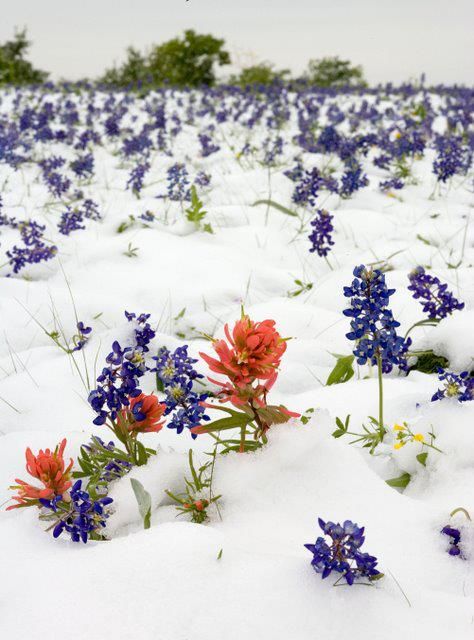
(249, 359)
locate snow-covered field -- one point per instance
(244, 573)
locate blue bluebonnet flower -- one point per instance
(81, 517)
(455, 539)
(296, 173)
(137, 176)
(321, 237)
(391, 183)
(208, 146)
(83, 166)
(455, 385)
(73, 219)
(453, 157)
(178, 182)
(342, 553)
(139, 144)
(118, 382)
(435, 298)
(144, 334)
(308, 187)
(202, 179)
(82, 336)
(272, 150)
(57, 184)
(373, 326)
(176, 375)
(35, 249)
(353, 179)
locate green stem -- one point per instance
(380, 378)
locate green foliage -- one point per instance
(196, 213)
(333, 72)
(343, 370)
(14, 68)
(144, 502)
(181, 62)
(430, 362)
(401, 482)
(258, 74)
(301, 287)
(277, 206)
(191, 501)
(370, 438)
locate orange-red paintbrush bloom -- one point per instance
(49, 468)
(254, 352)
(144, 414)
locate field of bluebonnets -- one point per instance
(236, 358)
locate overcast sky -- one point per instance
(392, 39)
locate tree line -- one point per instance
(187, 61)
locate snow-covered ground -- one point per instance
(245, 573)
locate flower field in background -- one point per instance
(234, 321)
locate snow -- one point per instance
(168, 583)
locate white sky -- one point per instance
(394, 40)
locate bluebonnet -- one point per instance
(308, 187)
(453, 157)
(342, 554)
(57, 184)
(202, 179)
(81, 517)
(83, 166)
(455, 385)
(320, 237)
(176, 375)
(272, 148)
(139, 144)
(178, 182)
(296, 173)
(434, 296)
(208, 146)
(353, 179)
(73, 219)
(144, 334)
(137, 176)
(118, 382)
(82, 336)
(373, 326)
(455, 539)
(391, 183)
(35, 249)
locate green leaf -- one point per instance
(343, 370)
(142, 456)
(238, 420)
(275, 205)
(377, 576)
(421, 457)
(401, 482)
(219, 555)
(144, 502)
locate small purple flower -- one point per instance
(341, 553)
(434, 296)
(321, 236)
(455, 539)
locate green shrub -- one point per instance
(333, 72)
(14, 69)
(181, 62)
(262, 73)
